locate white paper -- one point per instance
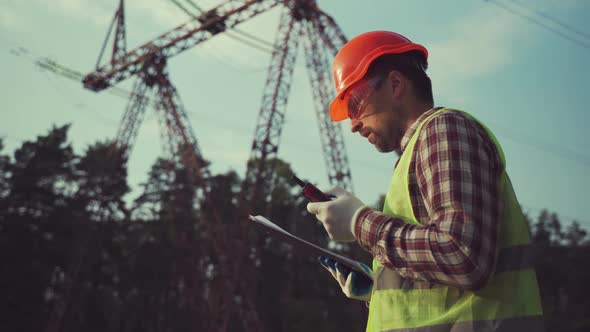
(268, 223)
(347, 261)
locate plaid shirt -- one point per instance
(454, 190)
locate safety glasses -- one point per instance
(357, 96)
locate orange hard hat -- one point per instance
(353, 60)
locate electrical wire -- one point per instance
(262, 41)
(249, 43)
(217, 56)
(49, 66)
(552, 19)
(265, 47)
(195, 6)
(251, 36)
(558, 150)
(81, 105)
(582, 43)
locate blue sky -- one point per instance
(527, 84)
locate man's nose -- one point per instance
(355, 125)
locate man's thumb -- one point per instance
(313, 208)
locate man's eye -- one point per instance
(354, 102)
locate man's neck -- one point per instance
(415, 111)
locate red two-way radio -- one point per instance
(311, 192)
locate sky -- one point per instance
(527, 83)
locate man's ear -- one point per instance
(398, 83)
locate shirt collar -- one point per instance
(410, 131)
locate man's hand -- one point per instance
(339, 215)
(354, 285)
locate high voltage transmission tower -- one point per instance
(301, 22)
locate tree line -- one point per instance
(78, 256)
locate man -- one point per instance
(451, 246)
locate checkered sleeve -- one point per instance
(457, 168)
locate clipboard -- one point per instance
(309, 247)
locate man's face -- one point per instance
(382, 118)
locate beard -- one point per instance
(389, 143)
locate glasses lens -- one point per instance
(359, 94)
(354, 106)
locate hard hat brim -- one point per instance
(338, 109)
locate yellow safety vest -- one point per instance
(510, 300)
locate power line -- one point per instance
(554, 20)
(262, 41)
(582, 43)
(217, 56)
(50, 65)
(81, 105)
(247, 42)
(558, 150)
(263, 47)
(251, 36)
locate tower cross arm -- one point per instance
(177, 40)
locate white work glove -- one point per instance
(354, 285)
(338, 215)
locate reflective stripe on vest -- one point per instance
(510, 300)
(528, 324)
